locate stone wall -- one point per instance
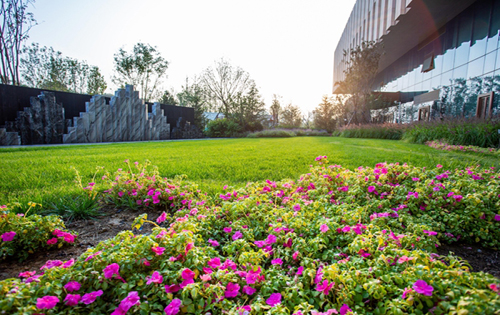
(125, 118)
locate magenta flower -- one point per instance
(89, 298)
(68, 263)
(300, 270)
(172, 288)
(344, 309)
(227, 229)
(214, 262)
(237, 235)
(324, 228)
(8, 236)
(156, 277)
(274, 299)
(72, 286)
(494, 287)
(406, 292)
(27, 274)
(51, 264)
(346, 229)
(161, 218)
(430, 232)
(47, 302)
(295, 255)
(403, 259)
(213, 242)
(497, 217)
(188, 274)
(158, 250)
(173, 307)
(296, 207)
(324, 287)
(371, 189)
(232, 290)
(420, 286)
(131, 300)
(72, 299)
(277, 261)
(271, 239)
(52, 241)
(111, 270)
(249, 290)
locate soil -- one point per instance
(90, 233)
(113, 221)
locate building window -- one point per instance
(424, 113)
(484, 104)
(428, 63)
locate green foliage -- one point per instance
(193, 95)
(374, 131)
(481, 133)
(222, 128)
(324, 115)
(79, 207)
(144, 68)
(272, 133)
(32, 233)
(371, 245)
(291, 117)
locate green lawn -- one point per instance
(42, 173)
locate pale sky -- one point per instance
(286, 46)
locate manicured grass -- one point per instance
(43, 174)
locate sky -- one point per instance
(286, 46)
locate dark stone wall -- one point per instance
(173, 113)
(14, 99)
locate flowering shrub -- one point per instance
(23, 235)
(333, 241)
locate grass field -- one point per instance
(41, 174)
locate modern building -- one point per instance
(441, 57)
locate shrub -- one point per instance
(373, 131)
(222, 128)
(272, 133)
(24, 235)
(334, 239)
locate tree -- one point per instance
(168, 98)
(249, 109)
(46, 68)
(14, 28)
(362, 66)
(291, 116)
(324, 115)
(144, 68)
(192, 95)
(275, 109)
(223, 84)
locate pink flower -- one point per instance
(214, 262)
(324, 287)
(189, 247)
(237, 235)
(249, 290)
(420, 286)
(213, 242)
(324, 228)
(277, 261)
(430, 232)
(274, 299)
(439, 166)
(205, 278)
(494, 287)
(406, 292)
(296, 207)
(131, 300)
(271, 239)
(346, 229)
(51, 264)
(27, 274)
(47, 302)
(295, 255)
(344, 309)
(158, 250)
(188, 274)
(156, 277)
(232, 290)
(371, 189)
(172, 288)
(497, 217)
(89, 298)
(161, 218)
(72, 286)
(403, 259)
(173, 307)
(52, 241)
(227, 229)
(111, 270)
(72, 299)
(8, 236)
(300, 270)
(68, 263)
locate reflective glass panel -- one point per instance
(446, 77)
(475, 68)
(463, 39)
(460, 72)
(448, 59)
(480, 29)
(497, 63)
(436, 81)
(489, 62)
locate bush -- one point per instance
(285, 133)
(372, 131)
(334, 239)
(222, 128)
(475, 132)
(24, 235)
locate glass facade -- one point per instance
(466, 61)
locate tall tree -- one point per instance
(362, 66)
(193, 95)
(324, 115)
(144, 68)
(249, 109)
(223, 83)
(46, 68)
(16, 22)
(275, 109)
(291, 116)
(168, 98)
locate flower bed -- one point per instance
(441, 145)
(333, 241)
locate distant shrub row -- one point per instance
(473, 132)
(284, 133)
